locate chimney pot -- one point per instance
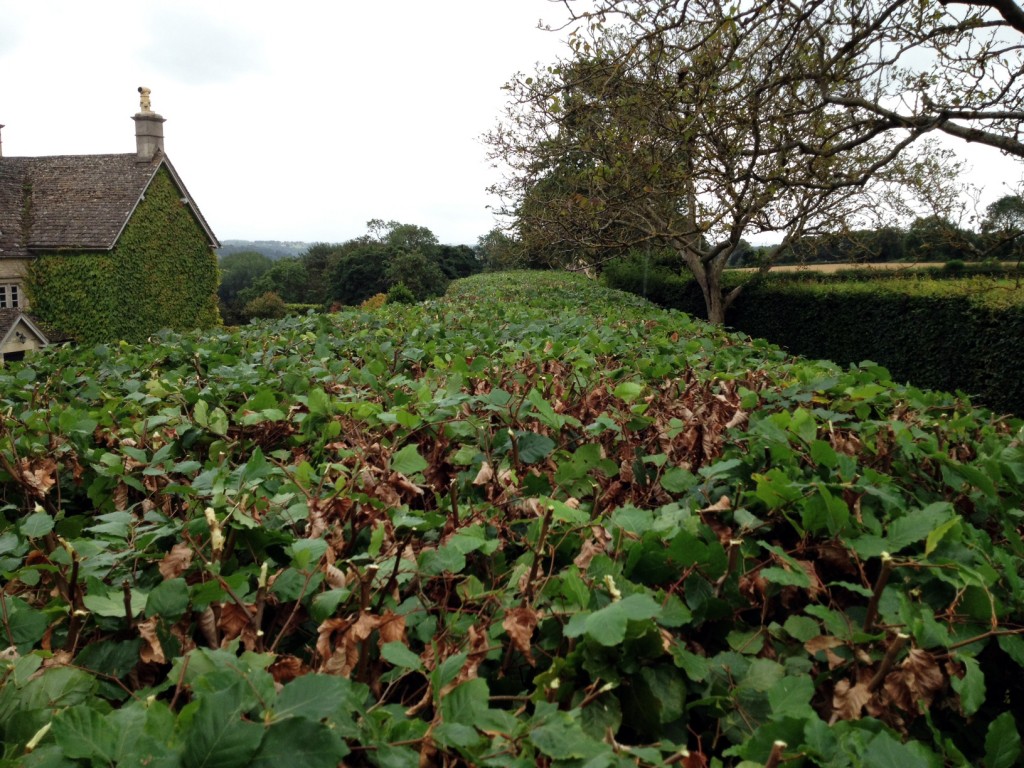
(149, 129)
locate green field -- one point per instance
(535, 522)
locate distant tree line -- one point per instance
(405, 261)
(999, 237)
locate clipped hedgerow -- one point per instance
(950, 335)
(927, 327)
(534, 522)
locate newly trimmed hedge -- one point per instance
(963, 335)
(936, 332)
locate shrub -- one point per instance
(376, 301)
(267, 306)
(400, 293)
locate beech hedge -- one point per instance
(928, 328)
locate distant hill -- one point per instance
(272, 249)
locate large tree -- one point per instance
(695, 129)
(913, 67)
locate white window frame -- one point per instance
(10, 296)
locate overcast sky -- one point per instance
(295, 120)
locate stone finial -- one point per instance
(144, 106)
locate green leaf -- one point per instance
(1002, 742)
(36, 525)
(112, 603)
(168, 600)
(562, 738)
(628, 391)
(936, 536)
(607, 626)
(678, 480)
(306, 553)
(83, 733)
(791, 697)
(326, 603)
(218, 737)
(884, 751)
(533, 447)
(916, 525)
(317, 697)
(218, 421)
(447, 559)
(408, 460)
(801, 628)
(398, 653)
(299, 742)
(466, 702)
(600, 716)
(797, 577)
(970, 687)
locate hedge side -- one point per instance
(945, 334)
(949, 340)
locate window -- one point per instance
(10, 297)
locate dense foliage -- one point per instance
(161, 274)
(346, 274)
(944, 328)
(534, 523)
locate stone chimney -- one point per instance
(149, 129)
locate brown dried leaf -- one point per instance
(848, 700)
(738, 419)
(207, 622)
(392, 629)
(287, 668)
(346, 656)
(724, 504)
(485, 475)
(594, 546)
(916, 682)
(519, 623)
(120, 497)
(233, 621)
(327, 628)
(151, 649)
(176, 562)
(335, 577)
(821, 643)
(817, 586)
(39, 474)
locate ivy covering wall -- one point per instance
(161, 274)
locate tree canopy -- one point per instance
(695, 125)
